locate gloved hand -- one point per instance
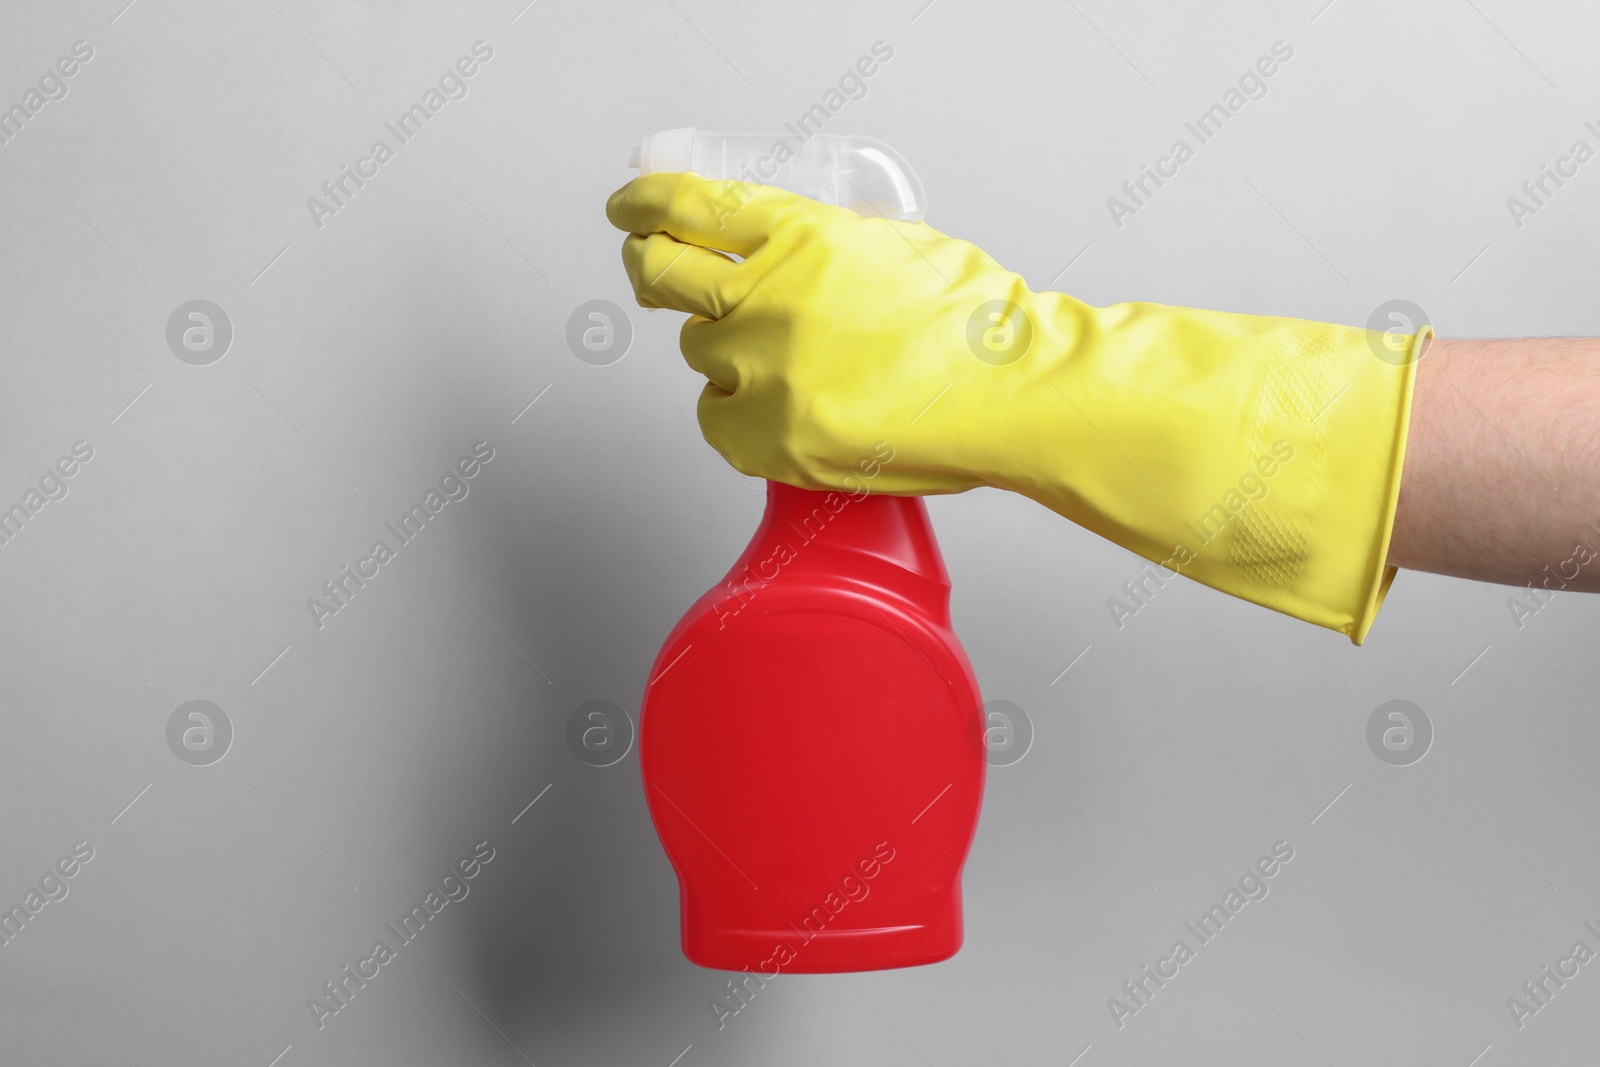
(1260, 456)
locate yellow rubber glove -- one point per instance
(1260, 456)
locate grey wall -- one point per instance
(369, 755)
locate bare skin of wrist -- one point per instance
(1502, 469)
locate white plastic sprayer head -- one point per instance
(860, 173)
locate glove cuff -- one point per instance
(1259, 456)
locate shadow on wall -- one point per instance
(578, 912)
(582, 911)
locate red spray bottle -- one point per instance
(811, 738)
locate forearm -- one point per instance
(1502, 468)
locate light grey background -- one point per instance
(370, 754)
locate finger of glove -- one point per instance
(707, 352)
(721, 423)
(667, 273)
(729, 216)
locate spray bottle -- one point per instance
(811, 737)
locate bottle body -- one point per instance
(811, 746)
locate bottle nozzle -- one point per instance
(859, 173)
